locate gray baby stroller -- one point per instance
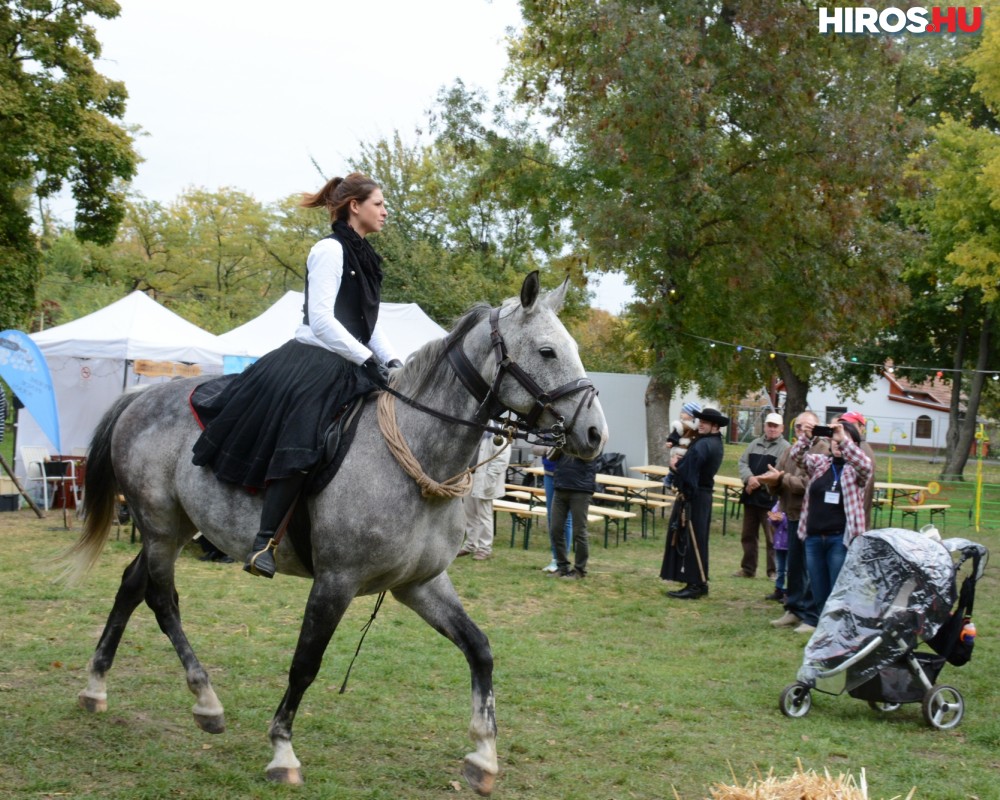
(897, 588)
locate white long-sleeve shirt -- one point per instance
(325, 269)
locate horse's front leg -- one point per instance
(438, 604)
(327, 603)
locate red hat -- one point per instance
(854, 416)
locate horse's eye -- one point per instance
(547, 352)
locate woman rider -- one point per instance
(265, 429)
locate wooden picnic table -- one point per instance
(636, 491)
(897, 491)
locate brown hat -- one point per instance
(712, 416)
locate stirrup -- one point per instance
(267, 567)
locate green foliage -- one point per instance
(724, 159)
(58, 111)
(57, 125)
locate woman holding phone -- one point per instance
(833, 513)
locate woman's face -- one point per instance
(369, 216)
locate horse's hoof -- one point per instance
(479, 779)
(95, 705)
(211, 723)
(289, 775)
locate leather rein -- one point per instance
(488, 397)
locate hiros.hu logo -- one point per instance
(918, 19)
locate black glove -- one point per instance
(376, 371)
(394, 364)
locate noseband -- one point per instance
(488, 396)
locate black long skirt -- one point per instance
(680, 562)
(271, 420)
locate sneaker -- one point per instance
(464, 551)
(805, 627)
(573, 575)
(481, 556)
(552, 567)
(786, 621)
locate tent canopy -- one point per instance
(135, 327)
(406, 325)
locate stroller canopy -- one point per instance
(895, 583)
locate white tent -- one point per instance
(407, 326)
(135, 327)
(93, 359)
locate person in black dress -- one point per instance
(685, 558)
(266, 428)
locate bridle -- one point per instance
(488, 395)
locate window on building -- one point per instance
(925, 427)
(832, 412)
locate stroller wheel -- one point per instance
(796, 700)
(943, 707)
(885, 708)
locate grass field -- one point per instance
(605, 688)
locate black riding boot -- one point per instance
(278, 498)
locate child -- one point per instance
(779, 525)
(681, 435)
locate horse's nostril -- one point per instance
(594, 437)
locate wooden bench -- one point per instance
(610, 515)
(933, 510)
(522, 514)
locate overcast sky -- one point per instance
(247, 94)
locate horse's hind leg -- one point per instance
(161, 597)
(438, 604)
(130, 594)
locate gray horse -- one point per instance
(373, 530)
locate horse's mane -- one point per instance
(421, 366)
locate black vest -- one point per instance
(349, 308)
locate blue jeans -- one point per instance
(549, 483)
(780, 568)
(798, 598)
(825, 554)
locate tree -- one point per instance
(57, 125)
(737, 165)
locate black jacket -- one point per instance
(573, 475)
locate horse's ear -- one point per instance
(557, 296)
(529, 289)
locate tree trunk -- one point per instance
(658, 395)
(960, 455)
(796, 390)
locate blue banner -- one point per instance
(23, 368)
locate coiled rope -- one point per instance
(456, 486)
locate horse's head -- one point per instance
(536, 372)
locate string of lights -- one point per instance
(815, 360)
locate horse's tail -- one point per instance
(100, 497)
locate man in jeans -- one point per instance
(761, 453)
(788, 481)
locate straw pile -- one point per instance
(801, 785)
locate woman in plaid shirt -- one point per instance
(833, 511)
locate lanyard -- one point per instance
(836, 476)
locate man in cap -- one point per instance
(761, 453)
